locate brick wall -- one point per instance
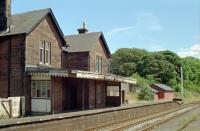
(17, 66)
(12, 47)
(4, 67)
(169, 95)
(100, 94)
(99, 50)
(90, 120)
(77, 61)
(56, 87)
(45, 31)
(92, 95)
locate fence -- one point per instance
(12, 107)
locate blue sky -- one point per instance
(149, 24)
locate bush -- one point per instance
(145, 94)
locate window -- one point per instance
(112, 90)
(45, 53)
(42, 53)
(40, 89)
(98, 63)
(33, 91)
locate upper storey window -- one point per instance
(98, 63)
(45, 53)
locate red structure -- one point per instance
(162, 92)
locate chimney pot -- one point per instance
(82, 30)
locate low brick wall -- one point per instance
(90, 119)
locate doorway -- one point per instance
(73, 97)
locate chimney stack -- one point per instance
(5, 14)
(83, 29)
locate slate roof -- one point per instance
(164, 87)
(24, 23)
(154, 90)
(85, 42)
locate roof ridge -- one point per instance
(83, 34)
(22, 13)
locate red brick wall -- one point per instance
(99, 50)
(100, 87)
(14, 45)
(56, 87)
(4, 67)
(77, 61)
(92, 94)
(169, 95)
(45, 31)
(17, 66)
(155, 97)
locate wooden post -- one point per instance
(83, 96)
(120, 94)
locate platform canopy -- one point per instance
(41, 71)
(100, 76)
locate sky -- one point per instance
(153, 25)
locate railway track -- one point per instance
(149, 122)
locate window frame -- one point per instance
(47, 50)
(41, 50)
(98, 63)
(45, 53)
(45, 85)
(112, 91)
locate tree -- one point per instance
(162, 67)
(124, 61)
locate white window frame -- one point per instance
(98, 64)
(48, 49)
(45, 47)
(42, 45)
(43, 86)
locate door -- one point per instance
(123, 97)
(41, 96)
(73, 97)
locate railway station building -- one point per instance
(53, 72)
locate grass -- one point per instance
(132, 97)
(185, 122)
(191, 96)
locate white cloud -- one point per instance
(144, 22)
(197, 37)
(120, 29)
(191, 51)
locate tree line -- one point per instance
(157, 67)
